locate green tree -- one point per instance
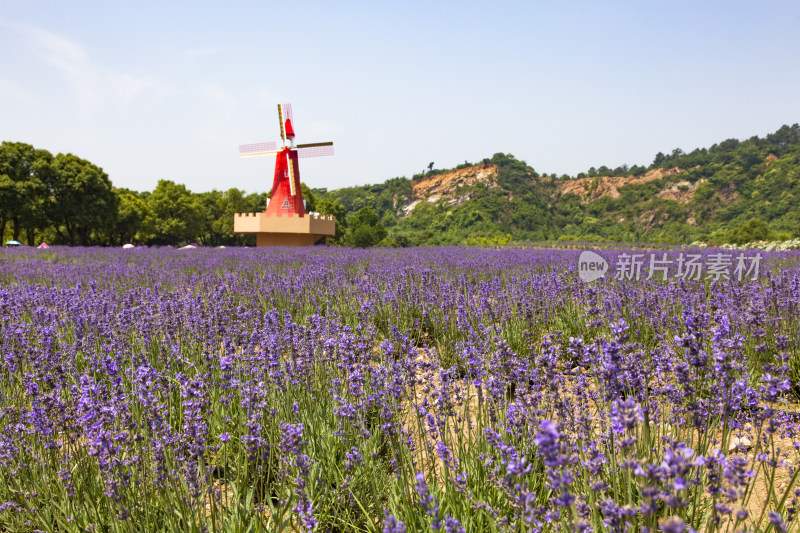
(175, 215)
(754, 229)
(82, 199)
(23, 190)
(214, 229)
(329, 206)
(364, 228)
(131, 213)
(239, 202)
(309, 197)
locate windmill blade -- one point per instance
(291, 173)
(257, 149)
(315, 149)
(280, 120)
(261, 154)
(287, 112)
(288, 121)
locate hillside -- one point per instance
(680, 197)
(732, 192)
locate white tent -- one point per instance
(129, 245)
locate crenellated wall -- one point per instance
(290, 230)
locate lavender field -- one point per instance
(443, 389)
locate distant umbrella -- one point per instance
(43, 246)
(188, 247)
(13, 243)
(126, 246)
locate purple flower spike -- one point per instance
(392, 524)
(777, 522)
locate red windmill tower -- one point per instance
(285, 221)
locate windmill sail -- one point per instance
(290, 164)
(256, 149)
(280, 121)
(315, 149)
(288, 119)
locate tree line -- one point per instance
(740, 190)
(64, 199)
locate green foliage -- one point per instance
(329, 206)
(754, 229)
(590, 237)
(219, 209)
(487, 241)
(174, 214)
(131, 213)
(65, 199)
(83, 200)
(309, 197)
(25, 174)
(364, 229)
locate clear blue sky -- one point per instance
(150, 90)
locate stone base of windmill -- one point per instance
(287, 230)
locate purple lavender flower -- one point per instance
(291, 438)
(392, 524)
(672, 525)
(625, 415)
(777, 522)
(428, 502)
(446, 455)
(353, 458)
(451, 525)
(304, 510)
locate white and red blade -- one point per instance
(257, 149)
(315, 149)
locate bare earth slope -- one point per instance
(593, 188)
(449, 185)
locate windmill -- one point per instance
(285, 221)
(286, 195)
